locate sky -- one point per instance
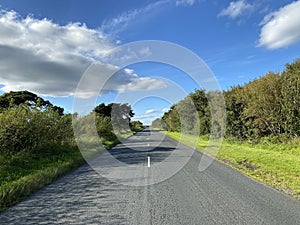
(47, 46)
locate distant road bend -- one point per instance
(219, 195)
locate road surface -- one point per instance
(219, 195)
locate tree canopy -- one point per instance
(16, 98)
(119, 115)
(266, 106)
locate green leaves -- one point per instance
(190, 115)
(24, 128)
(119, 115)
(267, 106)
(14, 99)
(290, 100)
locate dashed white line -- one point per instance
(148, 161)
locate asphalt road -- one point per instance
(218, 195)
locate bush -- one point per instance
(24, 128)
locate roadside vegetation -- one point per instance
(37, 143)
(277, 165)
(262, 137)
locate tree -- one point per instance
(119, 114)
(235, 105)
(189, 120)
(268, 106)
(216, 114)
(171, 119)
(158, 123)
(136, 126)
(200, 101)
(290, 102)
(104, 110)
(263, 109)
(25, 128)
(17, 98)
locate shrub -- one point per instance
(24, 128)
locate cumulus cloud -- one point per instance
(151, 114)
(135, 83)
(109, 78)
(49, 59)
(281, 28)
(236, 9)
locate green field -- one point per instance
(277, 165)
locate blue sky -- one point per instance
(45, 46)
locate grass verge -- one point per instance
(277, 165)
(25, 172)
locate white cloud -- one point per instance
(151, 114)
(115, 25)
(119, 23)
(136, 83)
(141, 117)
(143, 84)
(281, 28)
(151, 111)
(49, 59)
(236, 9)
(185, 2)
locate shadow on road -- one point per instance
(131, 156)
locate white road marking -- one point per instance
(148, 144)
(148, 161)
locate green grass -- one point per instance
(277, 165)
(25, 172)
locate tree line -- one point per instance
(268, 106)
(27, 122)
